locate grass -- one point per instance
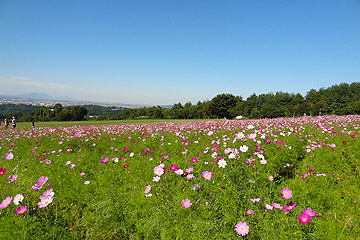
(22, 125)
(115, 206)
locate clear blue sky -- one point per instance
(164, 52)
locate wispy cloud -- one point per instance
(20, 84)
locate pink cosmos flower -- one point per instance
(82, 174)
(159, 170)
(21, 210)
(304, 218)
(48, 193)
(32, 151)
(190, 176)
(206, 175)
(310, 212)
(8, 156)
(242, 228)
(189, 170)
(45, 201)
(254, 200)
(104, 160)
(12, 178)
(268, 207)
(249, 212)
(68, 163)
(286, 193)
(39, 183)
(131, 154)
(47, 161)
(186, 203)
(72, 165)
(193, 160)
(277, 206)
(147, 190)
(87, 182)
(6, 202)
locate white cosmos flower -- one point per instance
(156, 179)
(222, 163)
(18, 199)
(179, 172)
(244, 148)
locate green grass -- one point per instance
(22, 125)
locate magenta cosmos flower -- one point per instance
(2, 171)
(304, 218)
(173, 167)
(193, 160)
(21, 210)
(242, 228)
(186, 203)
(286, 193)
(289, 207)
(6, 202)
(206, 175)
(104, 160)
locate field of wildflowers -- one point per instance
(288, 178)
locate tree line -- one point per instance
(338, 99)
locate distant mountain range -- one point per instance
(40, 96)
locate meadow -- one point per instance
(284, 178)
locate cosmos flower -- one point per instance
(18, 199)
(310, 212)
(45, 201)
(304, 218)
(39, 183)
(2, 171)
(186, 203)
(242, 228)
(8, 156)
(249, 212)
(206, 175)
(21, 210)
(222, 163)
(156, 179)
(286, 193)
(159, 170)
(147, 190)
(6, 202)
(244, 148)
(289, 207)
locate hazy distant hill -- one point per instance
(35, 95)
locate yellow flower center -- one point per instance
(285, 193)
(41, 182)
(22, 211)
(242, 228)
(304, 219)
(46, 202)
(290, 207)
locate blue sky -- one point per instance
(164, 52)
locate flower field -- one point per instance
(286, 178)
